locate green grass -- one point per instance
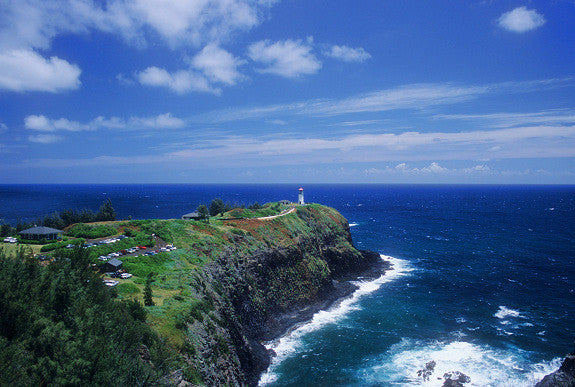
(82, 230)
(128, 288)
(144, 265)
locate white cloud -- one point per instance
(434, 168)
(218, 65)
(190, 21)
(288, 58)
(181, 81)
(415, 96)
(24, 70)
(34, 23)
(44, 124)
(348, 54)
(521, 20)
(45, 138)
(162, 121)
(210, 68)
(548, 117)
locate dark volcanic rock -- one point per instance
(563, 377)
(455, 379)
(426, 372)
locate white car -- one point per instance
(125, 275)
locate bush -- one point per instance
(59, 245)
(82, 230)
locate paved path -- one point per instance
(278, 215)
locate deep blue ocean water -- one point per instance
(484, 279)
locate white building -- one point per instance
(300, 197)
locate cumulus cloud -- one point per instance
(348, 54)
(25, 70)
(44, 124)
(188, 21)
(287, 58)
(28, 25)
(218, 65)
(181, 81)
(34, 23)
(521, 20)
(209, 69)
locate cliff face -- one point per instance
(563, 377)
(272, 274)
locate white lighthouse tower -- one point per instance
(300, 197)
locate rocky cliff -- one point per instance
(260, 278)
(563, 377)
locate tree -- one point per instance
(148, 300)
(106, 211)
(217, 206)
(203, 212)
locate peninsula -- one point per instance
(217, 288)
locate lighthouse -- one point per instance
(300, 197)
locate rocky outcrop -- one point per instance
(563, 377)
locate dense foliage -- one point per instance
(60, 325)
(63, 219)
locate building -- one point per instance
(300, 200)
(112, 265)
(192, 216)
(41, 233)
(285, 202)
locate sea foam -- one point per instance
(485, 365)
(290, 343)
(505, 312)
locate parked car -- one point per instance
(125, 275)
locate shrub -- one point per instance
(59, 245)
(82, 230)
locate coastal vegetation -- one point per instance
(60, 325)
(61, 220)
(202, 309)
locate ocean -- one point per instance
(483, 278)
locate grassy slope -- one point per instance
(178, 274)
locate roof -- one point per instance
(115, 262)
(300, 189)
(191, 215)
(41, 231)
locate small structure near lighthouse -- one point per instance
(300, 200)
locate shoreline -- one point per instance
(342, 289)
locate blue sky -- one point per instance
(263, 91)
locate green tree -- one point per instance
(148, 300)
(217, 206)
(203, 211)
(106, 211)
